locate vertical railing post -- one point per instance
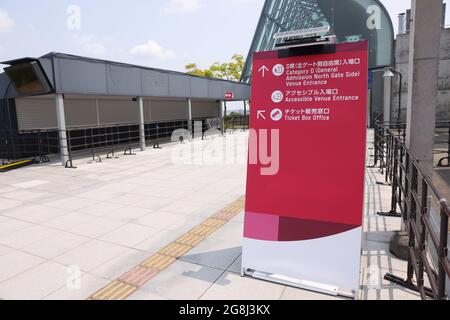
(395, 180)
(376, 143)
(382, 149)
(443, 254)
(423, 229)
(85, 136)
(389, 153)
(222, 116)
(117, 135)
(49, 147)
(400, 174)
(24, 146)
(92, 144)
(411, 221)
(448, 146)
(406, 188)
(69, 147)
(9, 144)
(40, 146)
(404, 133)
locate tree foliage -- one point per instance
(229, 70)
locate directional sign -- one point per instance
(303, 216)
(263, 71)
(260, 114)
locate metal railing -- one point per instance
(37, 144)
(92, 141)
(237, 122)
(424, 211)
(381, 139)
(442, 143)
(101, 139)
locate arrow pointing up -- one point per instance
(263, 69)
(260, 114)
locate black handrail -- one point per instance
(237, 122)
(411, 192)
(40, 144)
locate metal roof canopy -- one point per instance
(349, 21)
(71, 74)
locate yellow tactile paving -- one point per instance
(158, 262)
(233, 210)
(175, 250)
(138, 276)
(214, 223)
(190, 240)
(225, 215)
(115, 291)
(202, 230)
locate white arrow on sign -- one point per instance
(263, 69)
(260, 114)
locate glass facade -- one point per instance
(350, 20)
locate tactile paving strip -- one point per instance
(117, 290)
(138, 276)
(158, 262)
(214, 223)
(190, 239)
(203, 231)
(175, 250)
(128, 283)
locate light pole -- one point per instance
(390, 73)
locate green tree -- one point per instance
(192, 68)
(229, 71)
(235, 67)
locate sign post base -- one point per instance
(297, 283)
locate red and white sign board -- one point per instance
(229, 95)
(305, 183)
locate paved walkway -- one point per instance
(69, 234)
(102, 218)
(376, 259)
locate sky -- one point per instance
(165, 34)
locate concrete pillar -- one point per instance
(387, 99)
(222, 119)
(61, 121)
(141, 124)
(425, 39)
(189, 116)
